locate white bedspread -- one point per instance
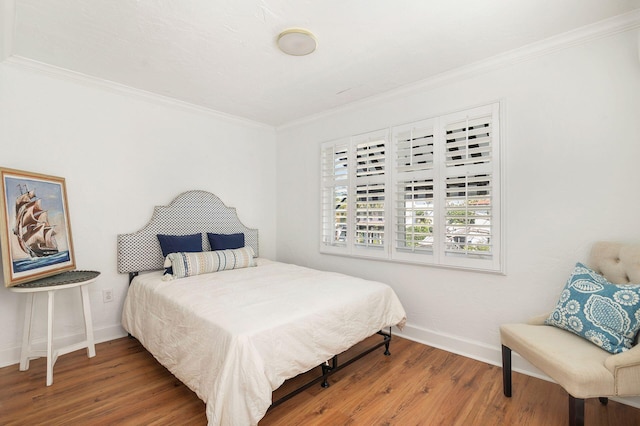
(235, 336)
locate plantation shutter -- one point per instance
(369, 190)
(470, 209)
(334, 193)
(413, 211)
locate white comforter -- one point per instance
(235, 336)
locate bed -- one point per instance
(235, 335)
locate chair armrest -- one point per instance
(538, 319)
(625, 368)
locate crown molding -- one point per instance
(20, 62)
(608, 27)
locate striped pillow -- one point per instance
(189, 264)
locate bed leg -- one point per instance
(387, 340)
(326, 369)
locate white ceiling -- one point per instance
(222, 55)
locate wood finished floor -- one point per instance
(416, 385)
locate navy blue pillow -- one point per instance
(180, 243)
(225, 241)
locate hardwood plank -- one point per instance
(417, 385)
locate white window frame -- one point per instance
(421, 174)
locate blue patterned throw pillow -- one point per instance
(606, 314)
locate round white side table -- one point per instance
(63, 281)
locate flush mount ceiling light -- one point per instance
(297, 42)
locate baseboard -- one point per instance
(482, 352)
(11, 355)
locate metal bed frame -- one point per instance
(329, 368)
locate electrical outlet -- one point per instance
(107, 295)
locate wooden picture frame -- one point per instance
(35, 234)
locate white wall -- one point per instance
(571, 152)
(121, 154)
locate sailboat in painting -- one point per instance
(34, 232)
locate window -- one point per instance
(369, 186)
(414, 190)
(471, 194)
(426, 192)
(335, 183)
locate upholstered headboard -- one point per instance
(189, 213)
(619, 263)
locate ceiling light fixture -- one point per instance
(297, 41)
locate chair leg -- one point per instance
(506, 371)
(603, 400)
(576, 411)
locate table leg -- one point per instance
(50, 338)
(88, 323)
(26, 333)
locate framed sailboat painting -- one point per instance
(36, 232)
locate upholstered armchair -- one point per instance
(582, 367)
